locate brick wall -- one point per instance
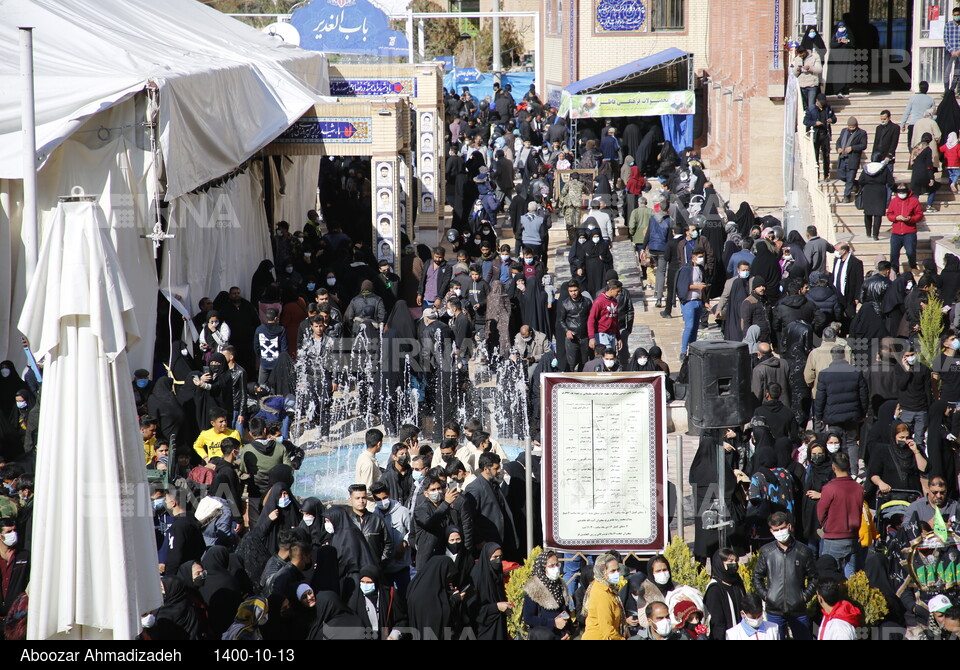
(745, 126)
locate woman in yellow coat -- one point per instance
(602, 606)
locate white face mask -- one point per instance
(787, 257)
(435, 496)
(307, 519)
(663, 627)
(185, 352)
(753, 623)
(327, 526)
(147, 620)
(911, 360)
(608, 363)
(833, 447)
(642, 360)
(5, 372)
(283, 503)
(744, 274)
(367, 589)
(553, 572)
(451, 313)
(331, 281)
(698, 260)
(457, 292)
(504, 257)
(21, 404)
(661, 577)
(10, 538)
(902, 196)
(614, 577)
(596, 240)
(782, 535)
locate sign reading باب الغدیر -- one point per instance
(605, 105)
(316, 130)
(363, 86)
(347, 26)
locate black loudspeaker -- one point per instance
(718, 395)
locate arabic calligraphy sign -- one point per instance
(347, 26)
(316, 130)
(620, 16)
(602, 105)
(365, 86)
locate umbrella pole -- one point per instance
(29, 232)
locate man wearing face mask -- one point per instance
(905, 213)
(785, 577)
(916, 394)
(398, 477)
(326, 304)
(692, 293)
(606, 361)
(752, 626)
(399, 523)
(531, 345)
(735, 291)
(659, 626)
(951, 43)
(839, 510)
(14, 567)
(432, 515)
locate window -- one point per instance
(560, 17)
(668, 14)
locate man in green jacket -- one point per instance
(637, 227)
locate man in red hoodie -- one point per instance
(841, 618)
(905, 213)
(603, 322)
(839, 509)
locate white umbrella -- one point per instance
(94, 560)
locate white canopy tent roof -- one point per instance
(226, 89)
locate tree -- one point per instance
(440, 36)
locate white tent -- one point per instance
(217, 89)
(94, 559)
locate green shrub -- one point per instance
(931, 326)
(515, 594)
(683, 568)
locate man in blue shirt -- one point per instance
(951, 41)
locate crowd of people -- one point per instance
(851, 412)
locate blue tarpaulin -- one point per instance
(678, 128)
(520, 81)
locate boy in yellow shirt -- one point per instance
(208, 442)
(148, 429)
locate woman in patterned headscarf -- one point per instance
(545, 606)
(602, 608)
(250, 616)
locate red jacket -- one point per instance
(603, 317)
(910, 206)
(951, 156)
(843, 611)
(840, 508)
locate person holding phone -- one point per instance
(545, 609)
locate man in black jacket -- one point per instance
(494, 519)
(848, 279)
(671, 257)
(779, 418)
(850, 145)
(14, 567)
(841, 402)
(796, 307)
(398, 477)
(226, 482)
(916, 395)
(572, 314)
(371, 525)
(785, 577)
(184, 540)
(885, 140)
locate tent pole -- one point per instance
(29, 232)
(411, 55)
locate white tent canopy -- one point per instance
(223, 91)
(226, 90)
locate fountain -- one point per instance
(380, 385)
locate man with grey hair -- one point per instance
(820, 358)
(850, 145)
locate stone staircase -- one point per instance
(849, 226)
